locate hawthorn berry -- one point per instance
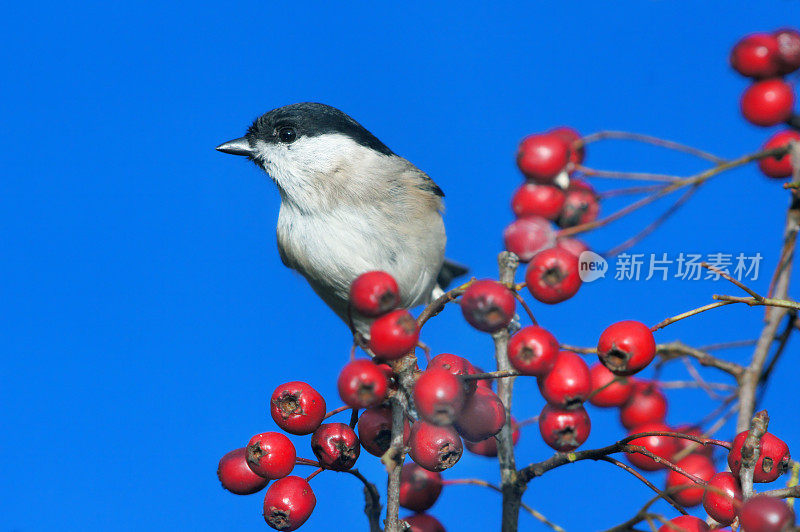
(581, 205)
(696, 448)
(336, 446)
(688, 493)
(568, 383)
(532, 351)
(646, 404)
(423, 523)
(236, 477)
(570, 136)
(362, 384)
(626, 347)
(488, 447)
(773, 458)
(722, 497)
(270, 455)
(573, 245)
(488, 305)
(288, 503)
(482, 383)
(297, 408)
(457, 366)
(766, 514)
(393, 335)
(532, 199)
(661, 446)
(767, 102)
(375, 430)
(482, 417)
(439, 396)
(788, 49)
(564, 430)
(552, 275)
(434, 448)
(527, 236)
(685, 523)
(609, 394)
(419, 488)
(374, 293)
(543, 156)
(778, 167)
(756, 56)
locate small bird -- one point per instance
(348, 205)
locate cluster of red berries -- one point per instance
(770, 100)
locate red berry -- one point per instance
(270, 455)
(570, 136)
(788, 49)
(773, 458)
(542, 157)
(696, 448)
(661, 446)
(439, 396)
(685, 523)
(488, 305)
(533, 351)
(288, 503)
(457, 366)
(375, 430)
(362, 384)
(552, 276)
(236, 476)
(482, 417)
(419, 488)
(766, 514)
(573, 245)
(336, 446)
(532, 199)
(423, 523)
(527, 236)
(646, 404)
(778, 167)
(488, 447)
(698, 465)
(297, 408)
(564, 430)
(722, 498)
(626, 347)
(434, 448)
(768, 102)
(756, 56)
(616, 394)
(374, 293)
(393, 335)
(568, 383)
(482, 383)
(581, 205)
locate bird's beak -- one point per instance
(236, 147)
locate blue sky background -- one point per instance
(147, 317)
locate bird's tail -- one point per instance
(450, 270)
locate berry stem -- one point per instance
(314, 474)
(336, 411)
(649, 484)
(648, 139)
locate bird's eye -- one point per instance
(287, 135)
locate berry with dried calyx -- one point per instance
(393, 335)
(297, 408)
(235, 475)
(626, 347)
(336, 446)
(773, 457)
(289, 503)
(552, 276)
(270, 455)
(533, 351)
(434, 448)
(362, 384)
(564, 430)
(375, 430)
(581, 205)
(374, 293)
(488, 305)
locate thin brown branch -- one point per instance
(628, 191)
(649, 484)
(372, 501)
(490, 375)
(677, 348)
(649, 139)
(438, 304)
(688, 314)
(730, 279)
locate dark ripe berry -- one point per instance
(581, 205)
(721, 497)
(778, 167)
(773, 458)
(626, 347)
(573, 245)
(482, 417)
(532, 199)
(685, 523)
(419, 488)
(297, 408)
(439, 396)
(488, 305)
(552, 275)
(336, 446)
(756, 56)
(423, 523)
(769, 102)
(661, 446)
(434, 448)
(288, 503)
(533, 351)
(568, 383)
(646, 404)
(393, 335)
(362, 384)
(570, 136)
(270, 455)
(688, 493)
(788, 49)
(457, 366)
(236, 476)
(616, 394)
(564, 430)
(527, 236)
(542, 157)
(766, 514)
(488, 447)
(374, 293)
(375, 430)
(482, 383)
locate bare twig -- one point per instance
(372, 501)
(649, 139)
(649, 484)
(751, 450)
